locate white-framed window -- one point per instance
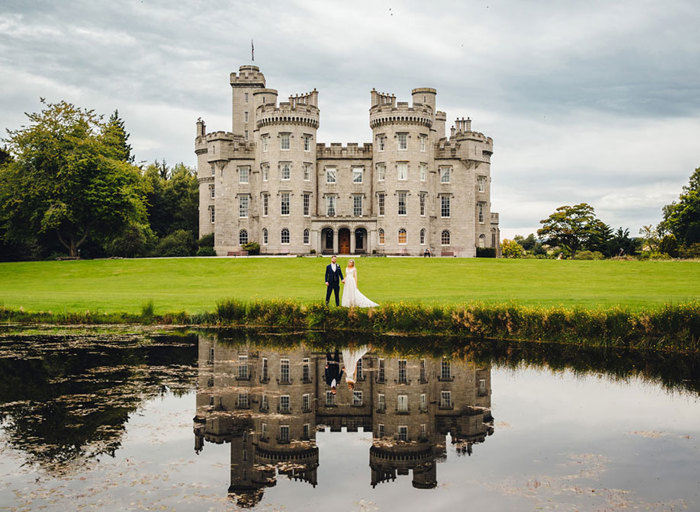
(284, 141)
(402, 371)
(243, 204)
(381, 142)
(423, 402)
(264, 367)
(446, 399)
(306, 430)
(402, 202)
(212, 191)
(481, 180)
(265, 142)
(307, 237)
(284, 203)
(245, 114)
(307, 142)
(284, 433)
(265, 239)
(422, 371)
(357, 205)
(445, 370)
(264, 403)
(243, 174)
(330, 398)
(445, 174)
(243, 237)
(444, 206)
(423, 142)
(402, 236)
(307, 171)
(381, 402)
(381, 201)
(330, 206)
(402, 403)
(357, 398)
(423, 171)
(482, 387)
(402, 171)
(284, 403)
(305, 402)
(330, 175)
(423, 431)
(402, 140)
(266, 204)
(422, 236)
(445, 237)
(357, 173)
(381, 236)
(421, 199)
(285, 171)
(263, 431)
(381, 432)
(243, 402)
(481, 212)
(306, 368)
(212, 214)
(284, 370)
(284, 236)
(265, 171)
(381, 171)
(307, 204)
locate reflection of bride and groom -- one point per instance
(351, 294)
(334, 371)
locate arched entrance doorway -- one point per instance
(360, 241)
(327, 241)
(344, 241)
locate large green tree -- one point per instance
(67, 179)
(570, 227)
(682, 218)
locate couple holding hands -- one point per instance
(351, 294)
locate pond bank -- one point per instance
(672, 327)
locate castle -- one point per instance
(411, 189)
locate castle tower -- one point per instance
(243, 86)
(402, 173)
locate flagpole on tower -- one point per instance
(252, 51)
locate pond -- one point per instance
(221, 420)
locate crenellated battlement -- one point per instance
(308, 98)
(289, 113)
(399, 113)
(337, 150)
(221, 145)
(247, 76)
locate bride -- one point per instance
(351, 295)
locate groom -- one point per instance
(334, 276)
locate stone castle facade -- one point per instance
(411, 189)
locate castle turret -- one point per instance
(243, 85)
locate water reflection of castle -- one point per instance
(268, 403)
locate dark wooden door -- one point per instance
(344, 241)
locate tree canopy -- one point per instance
(570, 227)
(682, 218)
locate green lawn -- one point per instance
(196, 284)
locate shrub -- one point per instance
(669, 245)
(206, 251)
(485, 252)
(511, 249)
(177, 243)
(206, 241)
(253, 248)
(589, 255)
(135, 240)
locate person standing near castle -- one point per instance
(334, 276)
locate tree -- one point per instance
(682, 219)
(621, 243)
(116, 138)
(669, 245)
(173, 198)
(511, 249)
(599, 238)
(569, 227)
(650, 235)
(528, 243)
(65, 180)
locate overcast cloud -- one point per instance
(595, 101)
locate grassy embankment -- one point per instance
(651, 304)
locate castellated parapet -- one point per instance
(410, 191)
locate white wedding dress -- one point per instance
(351, 295)
(350, 359)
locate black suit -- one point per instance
(333, 370)
(333, 279)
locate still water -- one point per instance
(215, 420)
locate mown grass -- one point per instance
(195, 285)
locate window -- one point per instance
(265, 170)
(481, 213)
(422, 203)
(482, 387)
(285, 171)
(381, 139)
(212, 214)
(265, 239)
(243, 367)
(330, 175)
(307, 172)
(445, 238)
(357, 205)
(284, 203)
(481, 180)
(305, 403)
(305, 370)
(381, 374)
(422, 371)
(307, 237)
(381, 236)
(357, 173)
(307, 204)
(445, 372)
(402, 203)
(243, 202)
(380, 432)
(358, 372)
(284, 236)
(330, 206)
(263, 431)
(284, 141)
(306, 430)
(381, 171)
(423, 139)
(402, 236)
(445, 399)
(402, 171)
(266, 204)
(265, 142)
(246, 134)
(245, 115)
(423, 403)
(284, 403)
(284, 369)
(423, 169)
(243, 402)
(243, 174)
(246, 99)
(264, 376)
(445, 173)
(381, 402)
(402, 371)
(284, 433)
(403, 140)
(307, 142)
(402, 403)
(264, 404)
(422, 236)
(330, 398)
(212, 193)
(482, 240)
(423, 431)
(243, 237)
(213, 170)
(380, 203)
(357, 398)
(444, 206)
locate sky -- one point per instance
(595, 101)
